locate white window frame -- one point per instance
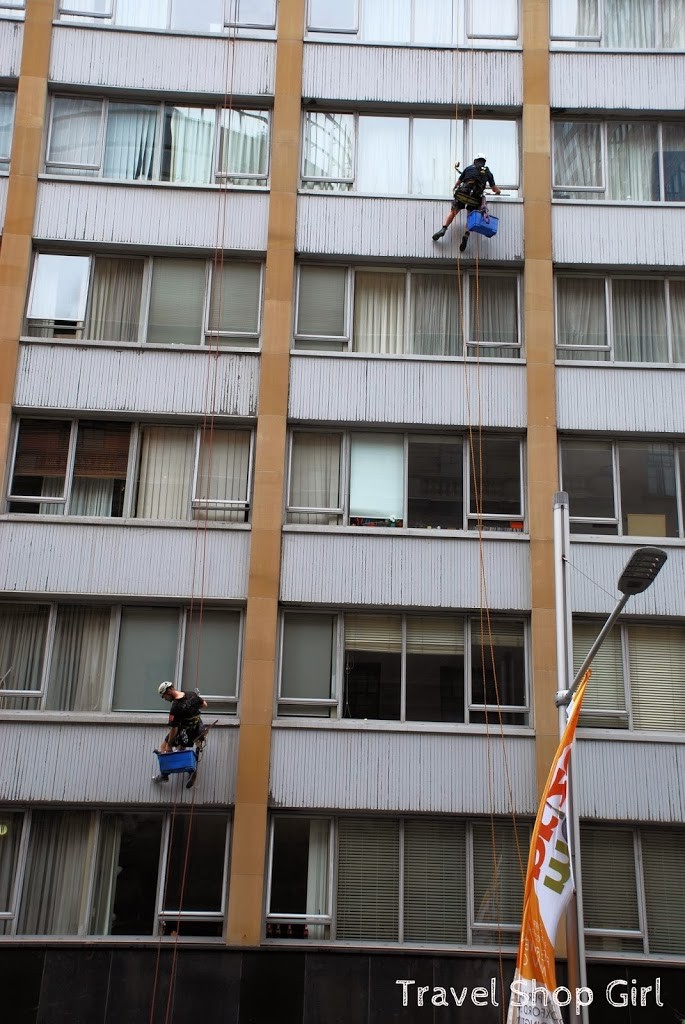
(302, 919)
(489, 37)
(217, 504)
(5, 160)
(11, 915)
(598, 38)
(231, 20)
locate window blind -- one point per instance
(434, 881)
(606, 690)
(663, 862)
(373, 633)
(321, 302)
(368, 879)
(102, 450)
(42, 448)
(176, 302)
(307, 665)
(235, 299)
(609, 886)
(498, 874)
(501, 632)
(657, 676)
(434, 634)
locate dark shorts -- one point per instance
(462, 201)
(187, 734)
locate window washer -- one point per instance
(468, 194)
(186, 725)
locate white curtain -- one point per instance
(115, 300)
(55, 879)
(142, 13)
(383, 156)
(677, 300)
(379, 313)
(382, 22)
(433, 154)
(581, 316)
(577, 159)
(435, 320)
(166, 473)
(51, 487)
(22, 646)
(9, 851)
(91, 496)
(130, 141)
(222, 474)
(190, 137)
(673, 24)
(6, 121)
(244, 143)
(629, 23)
(328, 148)
(317, 875)
(633, 162)
(494, 316)
(79, 659)
(109, 842)
(315, 477)
(434, 22)
(74, 132)
(639, 310)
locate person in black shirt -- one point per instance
(185, 723)
(468, 194)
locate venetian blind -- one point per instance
(605, 692)
(368, 879)
(321, 302)
(663, 862)
(102, 450)
(497, 874)
(435, 634)
(609, 887)
(657, 676)
(373, 633)
(434, 881)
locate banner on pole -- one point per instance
(548, 889)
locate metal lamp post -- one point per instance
(639, 574)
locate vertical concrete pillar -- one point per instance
(248, 848)
(22, 188)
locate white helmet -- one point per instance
(163, 687)
(480, 156)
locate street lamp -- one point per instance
(642, 569)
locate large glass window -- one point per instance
(344, 152)
(619, 24)
(420, 481)
(6, 125)
(188, 302)
(63, 657)
(147, 141)
(410, 880)
(196, 16)
(112, 873)
(415, 668)
(626, 487)
(407, 312)
(629, 161)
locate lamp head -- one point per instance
(641, 571)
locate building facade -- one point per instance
(261, 435)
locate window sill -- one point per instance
(408, 197)
(637, 204)
(233, 32)
(150, 719)
(181, 524)
(375, 725)
(187, 186)
(409, 357)
(112, 940)
(199, 348)
(661, 542)
(331, 38)
(616, 365)
(630, 735)
(406, 531)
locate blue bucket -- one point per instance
(177, 761)
(482, 225)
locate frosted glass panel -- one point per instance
(377, 477)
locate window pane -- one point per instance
(673, 136)
(328, 146)
(376, 174)
(197, 15)
(6, 123)
(376, 480)
(663, 859)
(75, 136)
(10, 838)
(151, 14)
(588, 476)
(130, 141)
(434, 881)
(657, 677)
(222, 476)
(235, 299)
(195, 866)
(308, 644)
(498, 667)
(677, 297)
(40, 465)
(315, 478)
(606, 694)
(498, 18)
(78, 668)
(672, 25)
(434, 22)
(251, 12)
(23, 629)
(633, 161)
(435, 494)
(60, 288)
(379, 312)
(148, 641)
(496, 476)
(386, 23)
(126, 875)
(499, 861)
(210, 656)
(433, 156)
(321, 302)
(100, 469)
(435, 669)
(629, 23)
(648, 493)
(609, 886)
(368, 879)
(499, 141)
(177, 302)
(581, 316)
(244, 145)
(167, 461)
(373, 646)
(188, 144)
(299, 874)
(639, 309)
(115, 298)
(52, 893)
(336, 15)
(494, 316)
(571, 18)
(577, 156)
(103, 7)
(435, 329)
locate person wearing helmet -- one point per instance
(468, 194)
(185, 724)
